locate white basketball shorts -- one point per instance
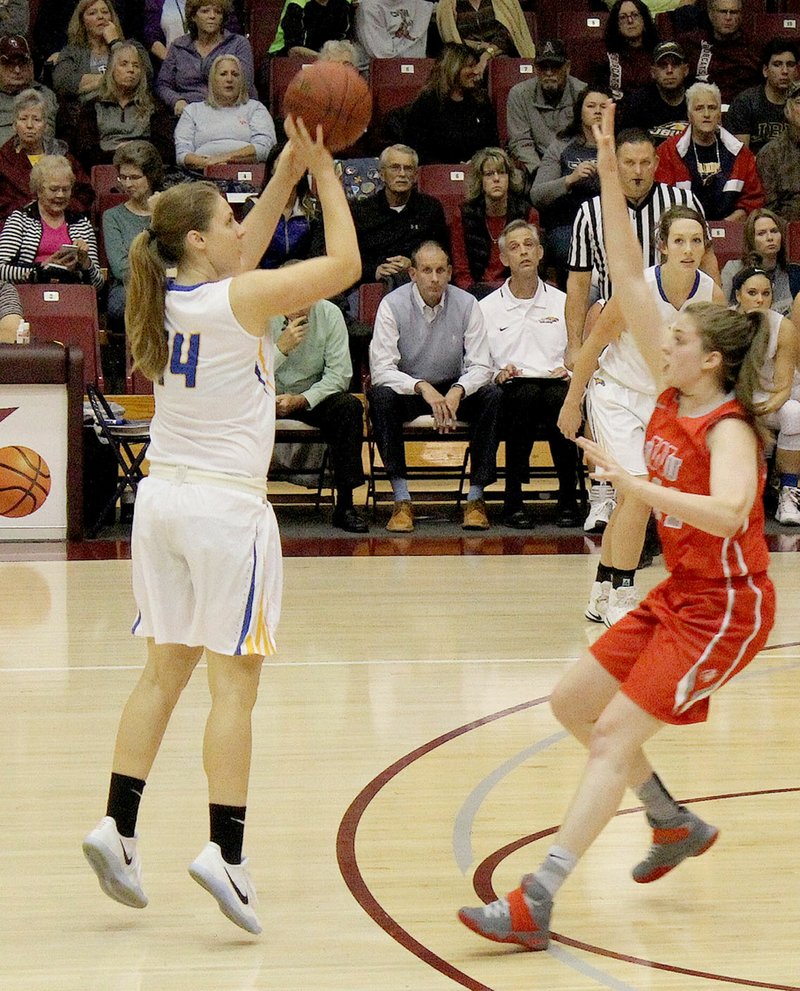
(618, 417)
(207, 567)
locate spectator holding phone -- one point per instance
(45, 241)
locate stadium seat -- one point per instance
(281, 72)
(505, 73)
(727, 239)
(66, 314)
(776, 26)
(581, 25)
(447, 183)
(395, 83)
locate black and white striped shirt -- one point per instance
(587, 250)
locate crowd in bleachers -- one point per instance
(490, 102)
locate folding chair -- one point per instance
(66, 314)
(122, 437)
(296, 432)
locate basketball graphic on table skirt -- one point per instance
(24, 481)
(334, 95)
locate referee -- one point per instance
(647, 200)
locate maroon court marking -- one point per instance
(354, 879)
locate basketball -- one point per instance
(334, 95)
(24, 481)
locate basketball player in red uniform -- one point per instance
(700, 627)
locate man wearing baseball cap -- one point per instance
(660, 108)
(543, 105)
(16, 74)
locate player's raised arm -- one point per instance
(639, 312)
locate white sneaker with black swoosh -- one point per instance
(230, 884)
(115, 861)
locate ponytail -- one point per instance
(144, 306)
(189, 206)
(742, 340)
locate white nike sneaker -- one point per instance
(602, 500)
(116, 863)
(620, 602)
(598, 602)
(230, 884)
(788, 512)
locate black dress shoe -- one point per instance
(568, 517)
(349, 520)
(520, 519)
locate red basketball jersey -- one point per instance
(677, 457)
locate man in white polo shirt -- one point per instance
(528, 341)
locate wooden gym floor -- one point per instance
(405, 758)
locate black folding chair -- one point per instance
(128, 439)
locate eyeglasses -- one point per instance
(631, 17)
(396, 167)
(493, 172)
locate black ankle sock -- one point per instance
(604, 573)
(124, 795)
(622, 578)
(227, 830)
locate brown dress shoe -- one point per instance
(475, 517)
(402, 520)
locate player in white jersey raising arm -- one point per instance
(620, 395)
(205, 545)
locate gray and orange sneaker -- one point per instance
(522, 917)
(688, 836)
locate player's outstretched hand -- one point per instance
(311, 151)
(604, 138)
(606, 468)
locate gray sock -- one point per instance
(556, 868)
(400, 489)
(660, 806)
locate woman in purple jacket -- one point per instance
(183, 77)
(165, 21)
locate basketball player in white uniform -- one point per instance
(780, 387)
(205, 549)
(620, 396)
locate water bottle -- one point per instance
(23, 332)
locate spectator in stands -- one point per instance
(29, 142)
(165, 21)
(430, 355)
(183, 76)
(630, 38)
(293, 235)
(392, 222)
(339, 50)
(494, 198)
(527, 334)
(122, 110)
(16, 75)
(10, 313)
(567, 177)
(756, 115)
(393, 28)
(489, 27)
(305, 26)
(94, 30)
(660, 107)
(719, 52)
(43, 242)
(452, 117)
(707, 158)
(779, 392)
(50, 33)
(647, 200)
(539, 108)
(312, 378)
(141, 173)
(15, 17)
(779, 163)
(765, 248)
(227, 126)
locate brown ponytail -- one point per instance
(179, 210)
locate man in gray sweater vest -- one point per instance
(430, 355)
